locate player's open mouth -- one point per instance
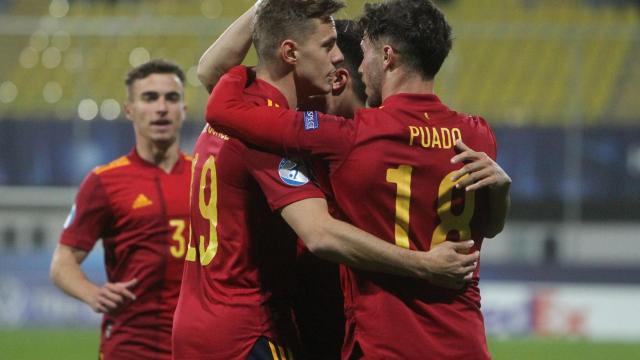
(161, 122)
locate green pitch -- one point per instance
(83, 344)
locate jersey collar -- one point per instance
(178, 167)
(404, 99)
(271, 92)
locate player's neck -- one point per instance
(164, 157)
(345, 104)
(281, 80)
(405, 82)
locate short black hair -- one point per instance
(155, 66)
(277, 20)
(416, 29)
(349, 37)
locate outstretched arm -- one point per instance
(334, 240)
(227, 51)
(67, 275)
(277, 129)
(484, 172)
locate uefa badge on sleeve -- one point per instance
(292, 172)
(311, 120)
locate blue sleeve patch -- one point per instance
(311, 120)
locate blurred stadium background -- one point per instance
(558, 80)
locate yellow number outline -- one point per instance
(178, 236)
(401, 176)
(448, 220)
(208, 210)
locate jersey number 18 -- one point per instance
(449, 221)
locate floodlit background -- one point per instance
(558, 80)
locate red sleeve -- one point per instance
(493, 144)
(283, 181)
(89, 215)
(277, 129)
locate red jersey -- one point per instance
(319, 303)
(142, 215)
(238, 273)
(390, 171)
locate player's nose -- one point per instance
(161, 105)
(337, 57)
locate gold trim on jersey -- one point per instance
(274, 352)
(271, 103)
(210, 131)
(119, 162)
(434, 137)
(279, 352)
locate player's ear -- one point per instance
(127, 108)
(389, 57)
(288, 52)
(340, 80)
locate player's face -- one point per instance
(371, 71)
(156, 108)
(317, 58)
(342, 100)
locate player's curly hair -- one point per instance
(278, 20)
(349, 37)
(416, 29)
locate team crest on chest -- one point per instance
(293, 172)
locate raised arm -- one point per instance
(227, 51)
(337, 241)
(278, 129)
(67, 275)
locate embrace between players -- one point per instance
(401, 193)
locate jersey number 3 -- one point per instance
(449, 221)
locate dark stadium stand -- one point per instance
(515, 62)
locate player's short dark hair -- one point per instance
(416, 29)
(155, 66)
(278, 20)
(349, 37)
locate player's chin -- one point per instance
(324, 88)
(319, 90)
(163, 138)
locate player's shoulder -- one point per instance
(187, 158)
(475, 120)
(370, 114)
(261, 93)
(118, 164)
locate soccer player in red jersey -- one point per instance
(139, 206)
(234, 302)
(395, 173)
(318, 301)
